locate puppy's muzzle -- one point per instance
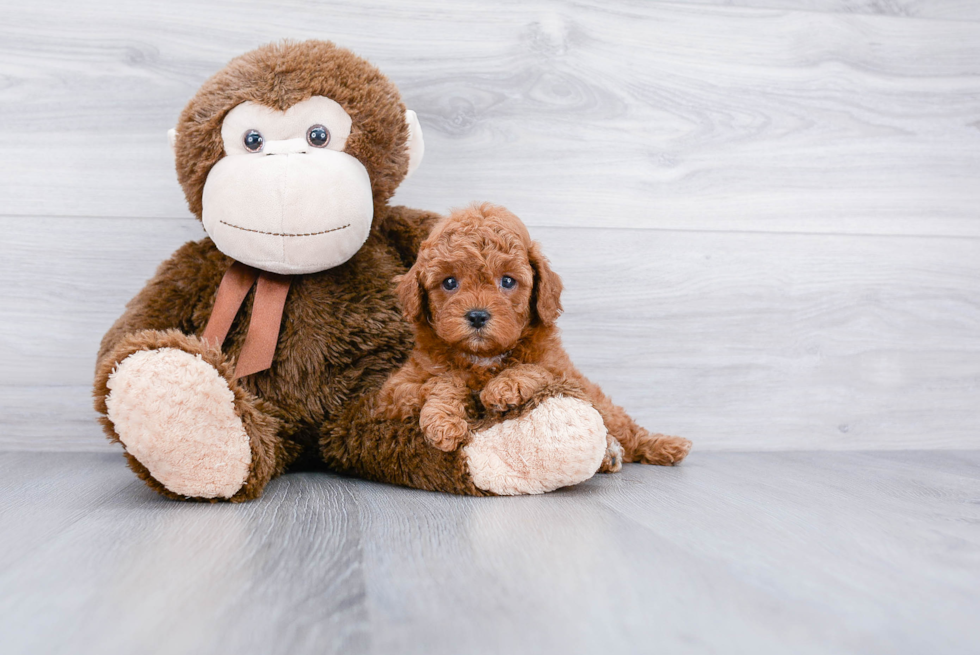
(477, 317)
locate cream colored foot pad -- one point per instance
(560, 443)
(175, 414)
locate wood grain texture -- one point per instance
(955, 10)
(599, 114)
(766, 214)
(735, 340)
(737, 553)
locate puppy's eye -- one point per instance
(508, 282)
(253, 140)
(450, 284)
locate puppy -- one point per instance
(483, 302)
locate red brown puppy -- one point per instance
(483, 302)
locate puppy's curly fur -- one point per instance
(483, 302)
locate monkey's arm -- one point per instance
(405, 228)
(169, 301)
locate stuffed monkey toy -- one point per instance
(260, 349)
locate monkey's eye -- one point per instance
(450, 284)
(253, 140)
(508, 282)
(318, 136)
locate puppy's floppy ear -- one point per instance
(546, 297)
(411, 296)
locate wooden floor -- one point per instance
(729, 553)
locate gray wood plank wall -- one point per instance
(765, 212)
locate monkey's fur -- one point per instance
(342, 333)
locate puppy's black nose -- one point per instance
(478, 317)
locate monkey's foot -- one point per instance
(175, 414)
(559, 443)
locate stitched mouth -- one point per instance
(284, 234)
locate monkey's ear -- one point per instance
(416, 146)
(411, 296)
(172, 138)
(546, 298)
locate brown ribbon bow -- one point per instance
(263, 328)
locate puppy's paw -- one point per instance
(662, 450)
(442, 429)
(612, 462)
(506, 392)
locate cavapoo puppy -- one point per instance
(483, 302)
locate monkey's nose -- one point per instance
(478, 317)
(284, 147)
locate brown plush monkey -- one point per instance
(261, 349)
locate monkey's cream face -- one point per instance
(286, 198)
